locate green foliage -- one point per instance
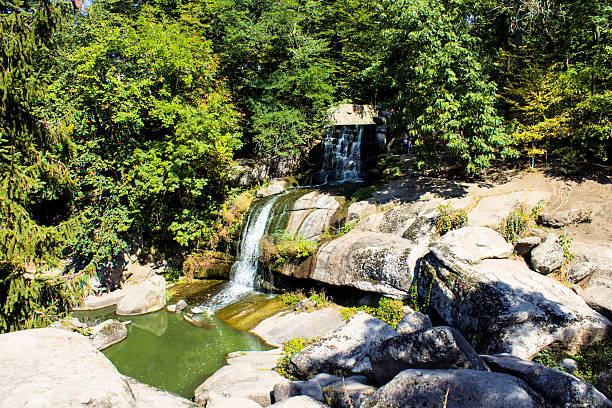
(292, 298)
(363, 192)
(290, 349)
(293, 248)
(320, 298)
(346, 228)
(388, 310)
(591, 361)
(449, 218)
(566, 244)
(514, 224)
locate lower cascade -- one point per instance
(242, 277)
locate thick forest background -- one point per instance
(121, 121)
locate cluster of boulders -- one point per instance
(366, 364)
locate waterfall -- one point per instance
(342, 157)
(242, 275)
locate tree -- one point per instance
(439, 87)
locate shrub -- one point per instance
(514, 224)
(346, 228)
(388, 310)
(320, 298)
(293, 248)
(292, 298)
(449, 219)
(290, 349)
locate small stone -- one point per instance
(580, 271)
(181, 305)
(413, 322)
(569, 365)
(547, 256)
(526, 244)
(305, 305)
(171, 308)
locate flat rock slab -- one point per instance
(414, 221)
(93, 302)
(557, 387)
(57, 368)
(490, 210)
(240, 380)
(345, 351)
(466, 389)
(470, 245)
(301, 401)
(151, 397)
(276, 330)
(262, 360)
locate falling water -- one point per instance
(342, 157)
(242, 275)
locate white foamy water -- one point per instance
(244, 270)
(342, 157)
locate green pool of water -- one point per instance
(164, 350)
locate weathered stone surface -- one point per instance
(414, 221)
(470, 245)
(216, 400)
(490, 210)
(502, 306)
(557, 387)
(359, 209)
(311, 214)
(305, 305)
(149, 296)
(526, 244)
(57, 368)
(438, 347)
(346, 350)
(181, 305)
(357, 387)
(275, 187)
(301, 401)
(413, 322)
(69, 323)
(240, 380)
(288, 389)
(466, 389)
(262, 360)
(372, 262)
(569, 365)
(324, 379)
(547, 256)
(580, 271)
(151, 397)
(598, 286)
(281, 327)
(560, 219)
(108, 333)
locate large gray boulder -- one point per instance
(500, 305)
(371, 262)
(598, 286)
(414, 221)
(547, 256)
(458, 388)
(345, 351)
(147, 297)
(107, 333)
(311, 214)
(560, 219)
(439, 347)
(240, 380)
(275, 187)
(558, 388)
(580, 270)
(57, 368)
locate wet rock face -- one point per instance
(459, 388)
(438, 347)
(345, 351)
(311, 214)
(502, 306)
(558, 388)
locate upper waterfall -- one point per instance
(342, 158)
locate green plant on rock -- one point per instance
(363, 192)
(346, 228)
(290, 349)
(566, 244)
(292, 298)
(514, 224)
(388, 310)
(320, 298)
(449, 218)
(293, 248)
